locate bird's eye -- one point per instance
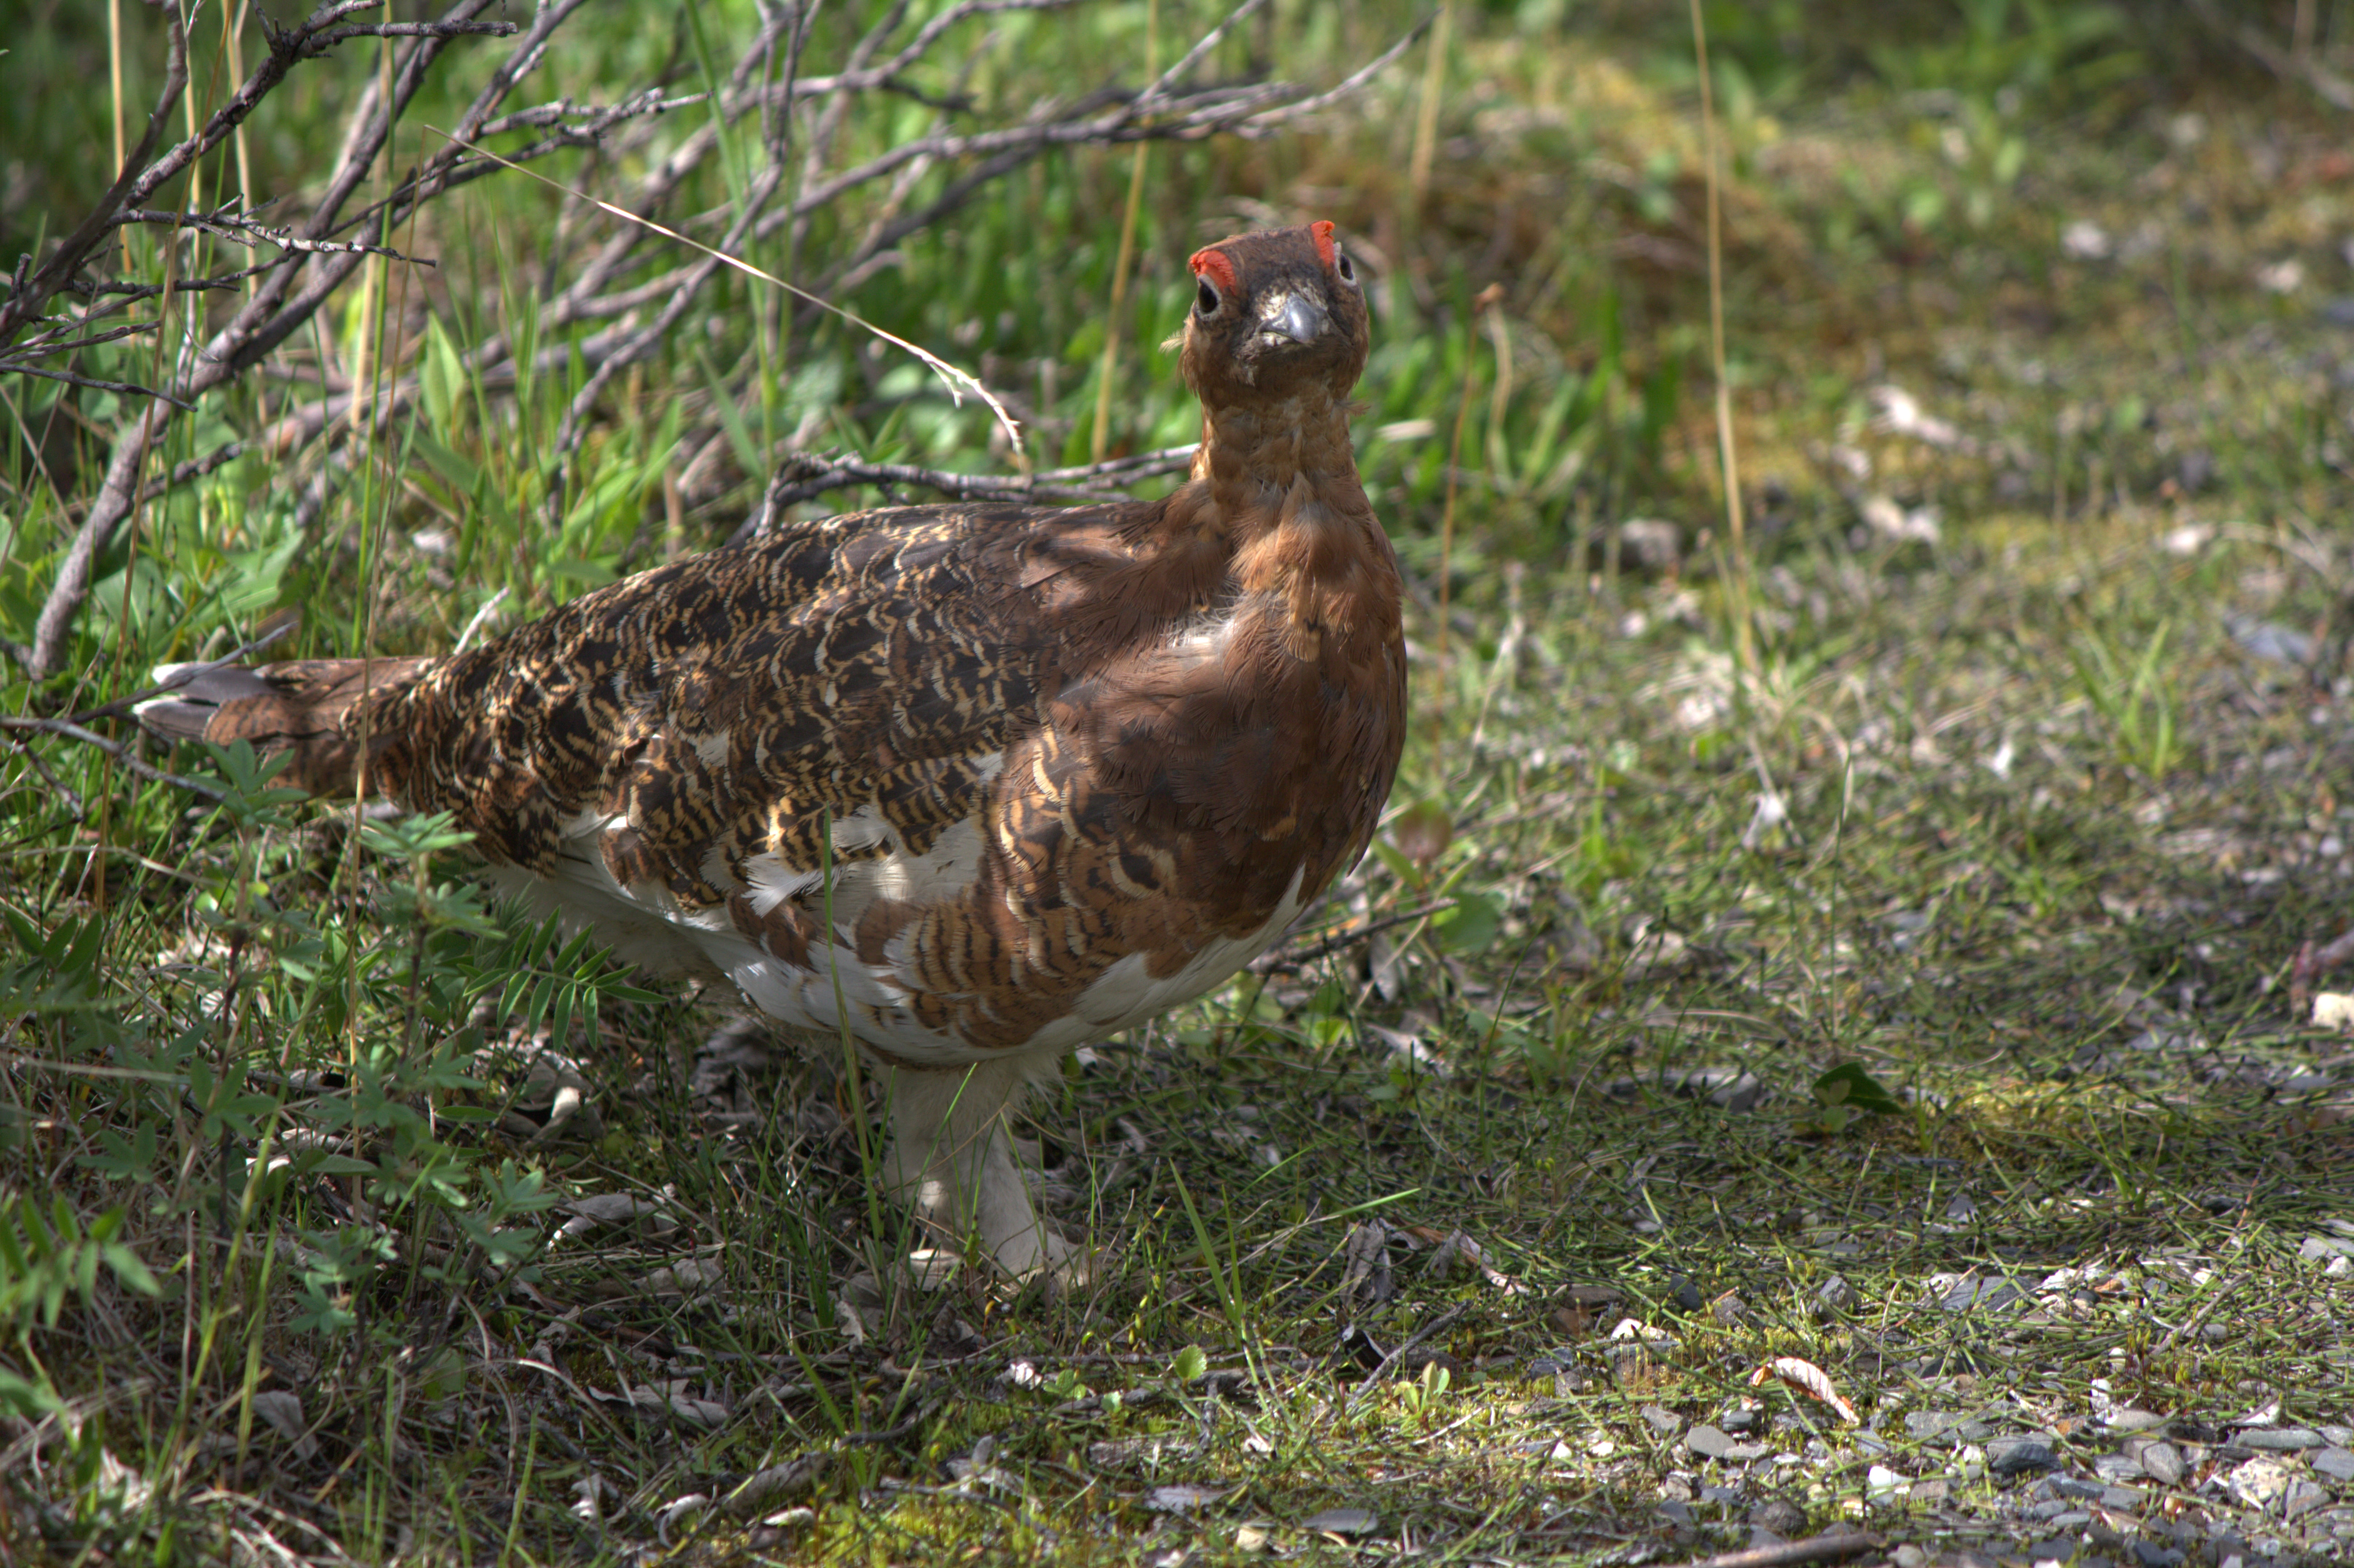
(1205, 299)
(1341, 265)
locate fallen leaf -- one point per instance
(1365, 1274)
(1809, 1379)
(1422, 833)
(283, 1412)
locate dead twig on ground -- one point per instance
(1814, 1549)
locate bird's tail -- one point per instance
(299, 706)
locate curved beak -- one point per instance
(1295, 316)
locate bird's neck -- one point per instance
(1281, 484)
(1255, 455)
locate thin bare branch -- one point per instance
(30, 296)
(194, 469)
(801, 477)
(128, 389)
(238, 229)
(121, 753)
(1176, 73)
(40, 766)
(277, 306)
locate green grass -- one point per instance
(1990, 872)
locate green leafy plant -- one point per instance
(1845, 1092)
(2137, 698)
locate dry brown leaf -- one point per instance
(1365, 1275)
(1808, 1379)
(1422, 833)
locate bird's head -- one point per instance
(1276, 315)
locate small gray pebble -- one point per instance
(1663, 1420)
(2150, 1554)
(1708, 1441)
(2302, 1498)
(1782, 1518)
(2122, 1500)
(2163, 1462)
(2116, 1467)
(2281, 1439)
(2069, 1486)
(1738, 1420)
(1910, 1557)
(2338, 1464)
(2019, 1457)
(1931, 1423)
(1342, 1522)
(1833, 1295)
(2074, 1519)
(1981, 1295)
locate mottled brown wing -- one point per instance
(678, 742)
(725, 705)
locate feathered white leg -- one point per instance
(952, 1155)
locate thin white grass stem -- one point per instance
(957, 381)
(114, 70)
(1425, 119)
(1745, 639)
(1101, 440)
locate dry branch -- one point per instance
(803, 476)
(1790, 1553)
(277, 308)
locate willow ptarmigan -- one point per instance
(1079, 765)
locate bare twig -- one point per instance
(2289, 65)
(1435, 1327)
(94, 383)
(31, 295)
(276, 307)
(57, 785)
(140, 178)
(318, 254)
(238, 229)
(1152, 95)
(114, 748)
(1814, 1549)
(480, 619)
(194, 469)
(803, 476)
(1285, 962)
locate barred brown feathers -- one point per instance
(1055, 770)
